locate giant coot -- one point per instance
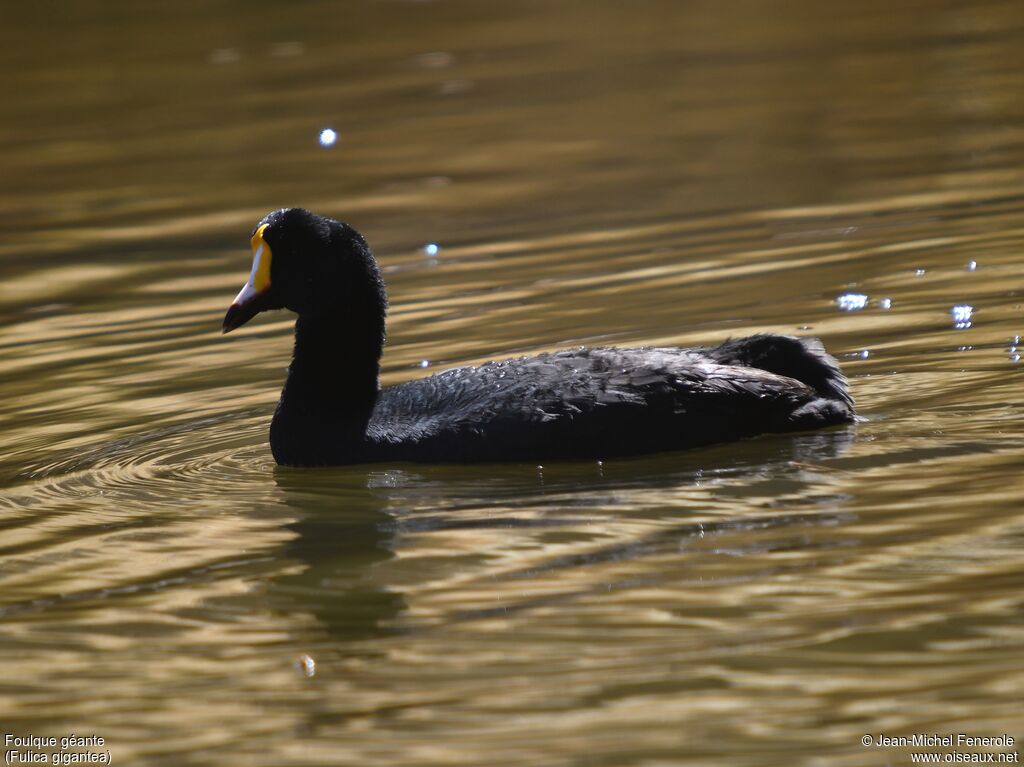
(577, 403)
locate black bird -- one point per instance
(577, 403)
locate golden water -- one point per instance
(593, 172)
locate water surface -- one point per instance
(599, 173)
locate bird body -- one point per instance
(587, 403)
(576, 403)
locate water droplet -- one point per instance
(431, 249)
(919, 272)
(852, 302)
(1014, 358)
(972, 265)
(424, 363)
(865, 354)
(306, 665)
(962, 314)
(328, 137)
(885, 303)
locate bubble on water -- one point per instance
(885, 303)
(328, 137)
(972, 265)
(962, 316)
(852, 302)
(431, 249)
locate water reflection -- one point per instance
(341, 531)
(349, 523)
(962, 316)
(328, 137)
(852, 302)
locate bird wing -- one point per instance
(585, 394)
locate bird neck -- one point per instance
(331, 388)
